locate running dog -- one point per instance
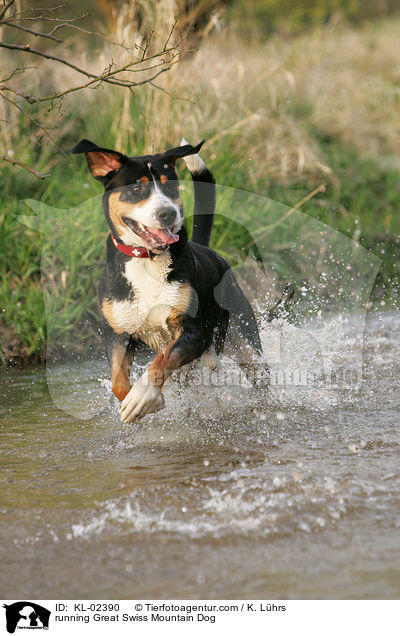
(175, 295)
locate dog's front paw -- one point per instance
(143, 398)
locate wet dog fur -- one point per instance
(175, 295)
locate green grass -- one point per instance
(362, 197)
(361, 200)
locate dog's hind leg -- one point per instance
(245, 349)
(231, 298)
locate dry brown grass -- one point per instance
(265, 101)
(352, 79)
(256, 103)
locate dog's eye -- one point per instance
(137, 187)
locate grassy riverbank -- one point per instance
(280, 117)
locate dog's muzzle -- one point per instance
(166, 216)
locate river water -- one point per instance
(276, 494)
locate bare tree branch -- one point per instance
(105, 77)
(97, 80)
(65, 23)
(6, 8)
(164, 90)
(27, 30)
(140, 60)
(28, 49)
(16, 71)
(23, 165)
(45, 16)
(28, 98)
(170, 33)
(75, 27)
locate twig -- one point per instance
(44, 16)
(164, 90)
(88, 32)
(105, 77)
(17, 71)
(23, 165)
(27, 30)
(107, 74)
(35, 123)
(63, 23)
(171, 32)
(146, 46)
(151, 66)
(27, 49)
(28, 98)
(98, 80)
(6, 8)
(310, 195)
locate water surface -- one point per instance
(224, 494)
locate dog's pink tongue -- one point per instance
(165, 235)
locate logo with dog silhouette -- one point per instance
(26, 615)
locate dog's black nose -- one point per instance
(166, 216)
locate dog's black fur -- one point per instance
(207, 296)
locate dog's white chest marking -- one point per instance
(145, 316)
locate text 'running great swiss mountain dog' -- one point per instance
(175, 295)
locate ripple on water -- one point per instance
(243, 502)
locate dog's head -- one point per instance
(142, 202)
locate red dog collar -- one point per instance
(139, 252)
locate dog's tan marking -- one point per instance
(121, 363)
(184, 297)
(163, 179)
(117, 209)
(144, 179)
(174, 322)
(163, 365)
(107, 308)
(175, 316)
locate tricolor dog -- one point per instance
(175, 295)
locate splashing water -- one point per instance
(287, 491)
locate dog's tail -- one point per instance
(204, 198)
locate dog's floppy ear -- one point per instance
(101, 161)
(182, 151)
